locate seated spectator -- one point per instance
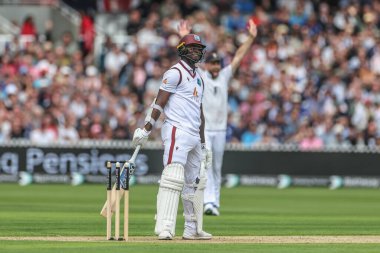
(68, 132)
(310, 141)
(46, 132)
(298, 18)
(235, 21)
(18, 129)
(268, 138)
(251, 136)
(114, 60)
(68, 43)
(134, 22)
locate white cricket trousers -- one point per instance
(215, 140)
(184, 148)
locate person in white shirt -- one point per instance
(115, 59)
(67, 132)
(215, 111)
(185, 155)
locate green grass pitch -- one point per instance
(62, 210)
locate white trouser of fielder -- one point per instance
(215, 140)
(182, 148)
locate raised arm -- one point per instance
(243, 49)
(183, 28)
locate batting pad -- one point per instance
(196, 200)
(171, 184)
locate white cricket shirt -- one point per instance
(183, 110)
(215, 99)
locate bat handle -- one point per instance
(135, 154)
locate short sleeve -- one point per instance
(170, 81)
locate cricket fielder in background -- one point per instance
(180, 98)
(215, 111)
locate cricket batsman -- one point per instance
(180, 99)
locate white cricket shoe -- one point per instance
(208, 209)
(165, 235)
(215, 211)
(193, 235)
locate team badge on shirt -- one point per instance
(199, 82)
(195, 93)
(165, 81)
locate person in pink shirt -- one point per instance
(311, 141)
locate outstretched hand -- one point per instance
(252, 29)
(183, 28)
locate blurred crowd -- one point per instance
(312, 77)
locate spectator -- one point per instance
(87, 33)
(235, 21)
(67, 132)
(188, 7)
(68, 43)
(114, 60)
(47, 132)
(251, 136)
(28, 27)
(8, 66)
(134, 22)
(310, 141)
(268, 138)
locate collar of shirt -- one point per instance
(187, 67)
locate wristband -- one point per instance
(145, 132)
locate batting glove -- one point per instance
(140, 137)
(206, 156)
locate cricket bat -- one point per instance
(127, 165)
